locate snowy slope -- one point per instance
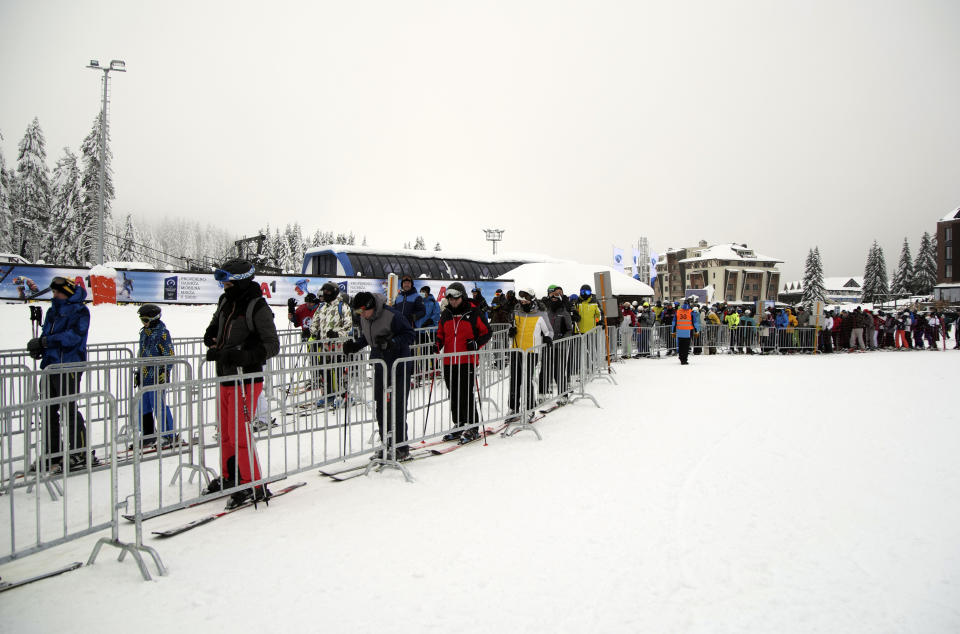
(740, 516)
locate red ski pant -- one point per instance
(902, 341)
(237, 402)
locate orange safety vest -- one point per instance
(684, 319)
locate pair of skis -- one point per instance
(209, 518)
(183, 528)
(417, 452)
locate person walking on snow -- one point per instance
(686, 323)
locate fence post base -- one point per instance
(134, 551)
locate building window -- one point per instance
(948, 254)
(949, 273)
(947, 234)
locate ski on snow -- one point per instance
(183, 528)
(10, 585)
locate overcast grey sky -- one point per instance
(575, 126)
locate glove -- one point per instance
(513, 331)
(547, 341)
(471, 344)
(350, 347)
(384, 341)
(332, 334)
(35, 346)
(161, 375)
(136, 378)
(210, 341)
(291, 305)
(213, 354)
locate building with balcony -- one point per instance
(731, 273)
(948, 273)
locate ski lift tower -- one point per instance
(494, 236)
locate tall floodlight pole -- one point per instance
(494, 236)
(121, 67)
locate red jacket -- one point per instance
(455, 329)
(302, 316)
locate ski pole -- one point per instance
(251, 446)
(476, 381)
(426, 418)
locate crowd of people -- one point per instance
(241, 337)
(857, 329)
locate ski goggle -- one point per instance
(147, 320)
(525, 295)
(453, 293)
(225, 276)
(62, 284)
(585, 293)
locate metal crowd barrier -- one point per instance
(327, 409)
(88, 498)
(634, 342)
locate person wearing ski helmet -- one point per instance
(63, 339)
(389, 335)
(462, 328)
(240, 338)
(589, 315)
(332, 324)
(530, 328)
(155, 342)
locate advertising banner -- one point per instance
(20, 282)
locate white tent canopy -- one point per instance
(571, 276)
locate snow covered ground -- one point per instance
(736, 494)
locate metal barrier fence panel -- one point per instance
(87, 501)
(296, 418)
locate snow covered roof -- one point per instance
(953, 215)
(731, 251)
(830, 284)
(13, 258)
(131, 266)
(571, 276)
(512, 256)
